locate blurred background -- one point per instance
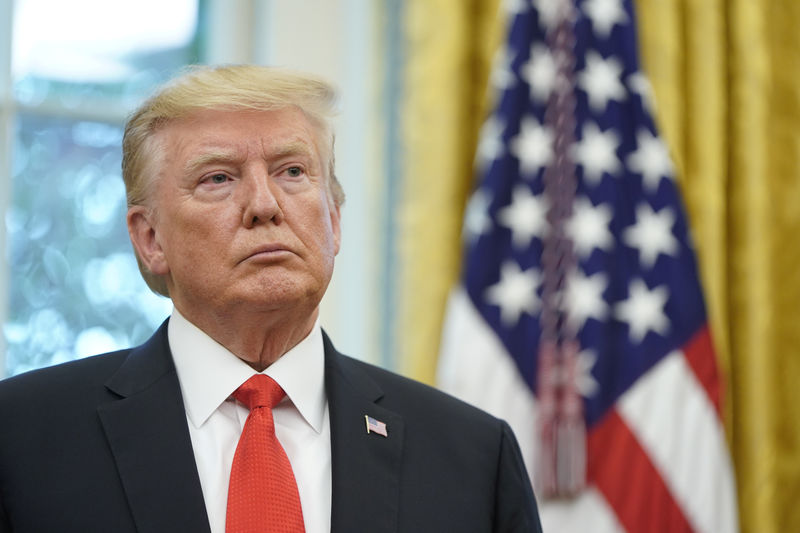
(417, 81)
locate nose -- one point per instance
(261, 204)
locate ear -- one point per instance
(144, 238)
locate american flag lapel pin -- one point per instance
(375, 426)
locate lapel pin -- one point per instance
(375, 426)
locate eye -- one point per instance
(294, 172)
(217, 179)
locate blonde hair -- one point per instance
(235, 87)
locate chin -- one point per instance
(272, 295)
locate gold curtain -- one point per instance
(449, 44)
(726, 77)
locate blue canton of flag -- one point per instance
(634, 295)
(578, 253)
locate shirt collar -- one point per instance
(208, 373)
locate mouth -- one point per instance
(268, 252)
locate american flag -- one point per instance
(579, 317)
(375, 426)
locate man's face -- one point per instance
(242, 213)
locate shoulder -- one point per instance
(61, 382)
(89, 379)
(433, 420)
(52, 405)
(405, 394)
(70, 373)
(425, 409)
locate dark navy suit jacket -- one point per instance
(102, 445)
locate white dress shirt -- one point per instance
(208, 375)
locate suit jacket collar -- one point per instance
(149, 437)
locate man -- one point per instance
(234, 214)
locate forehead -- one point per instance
(240, 129)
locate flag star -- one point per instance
(604, 15)
(584, 380)
(476, 216)
(526, 217)
(515, 293)
(601, 80)
(551, 12)
(540, 72)
(583, 298)
(589, 227)
(596, 152)
(639, 84)
(643, 310)
(533, 146)
(652, 234)
(490, 143)
(501, 76)
(650, 159)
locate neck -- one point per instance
(258, 339)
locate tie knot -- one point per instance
(259, 391)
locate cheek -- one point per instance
(195, 237)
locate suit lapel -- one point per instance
(365, 466)
(149, 438)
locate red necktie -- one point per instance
(262, 495)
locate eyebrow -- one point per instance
(298, 149)
(211, 156)
(292, 148)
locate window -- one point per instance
(72, 283)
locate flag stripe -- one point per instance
(698, 472)
(642, 501)
(588, 512)
(700, 356)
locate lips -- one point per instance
(268, 252)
